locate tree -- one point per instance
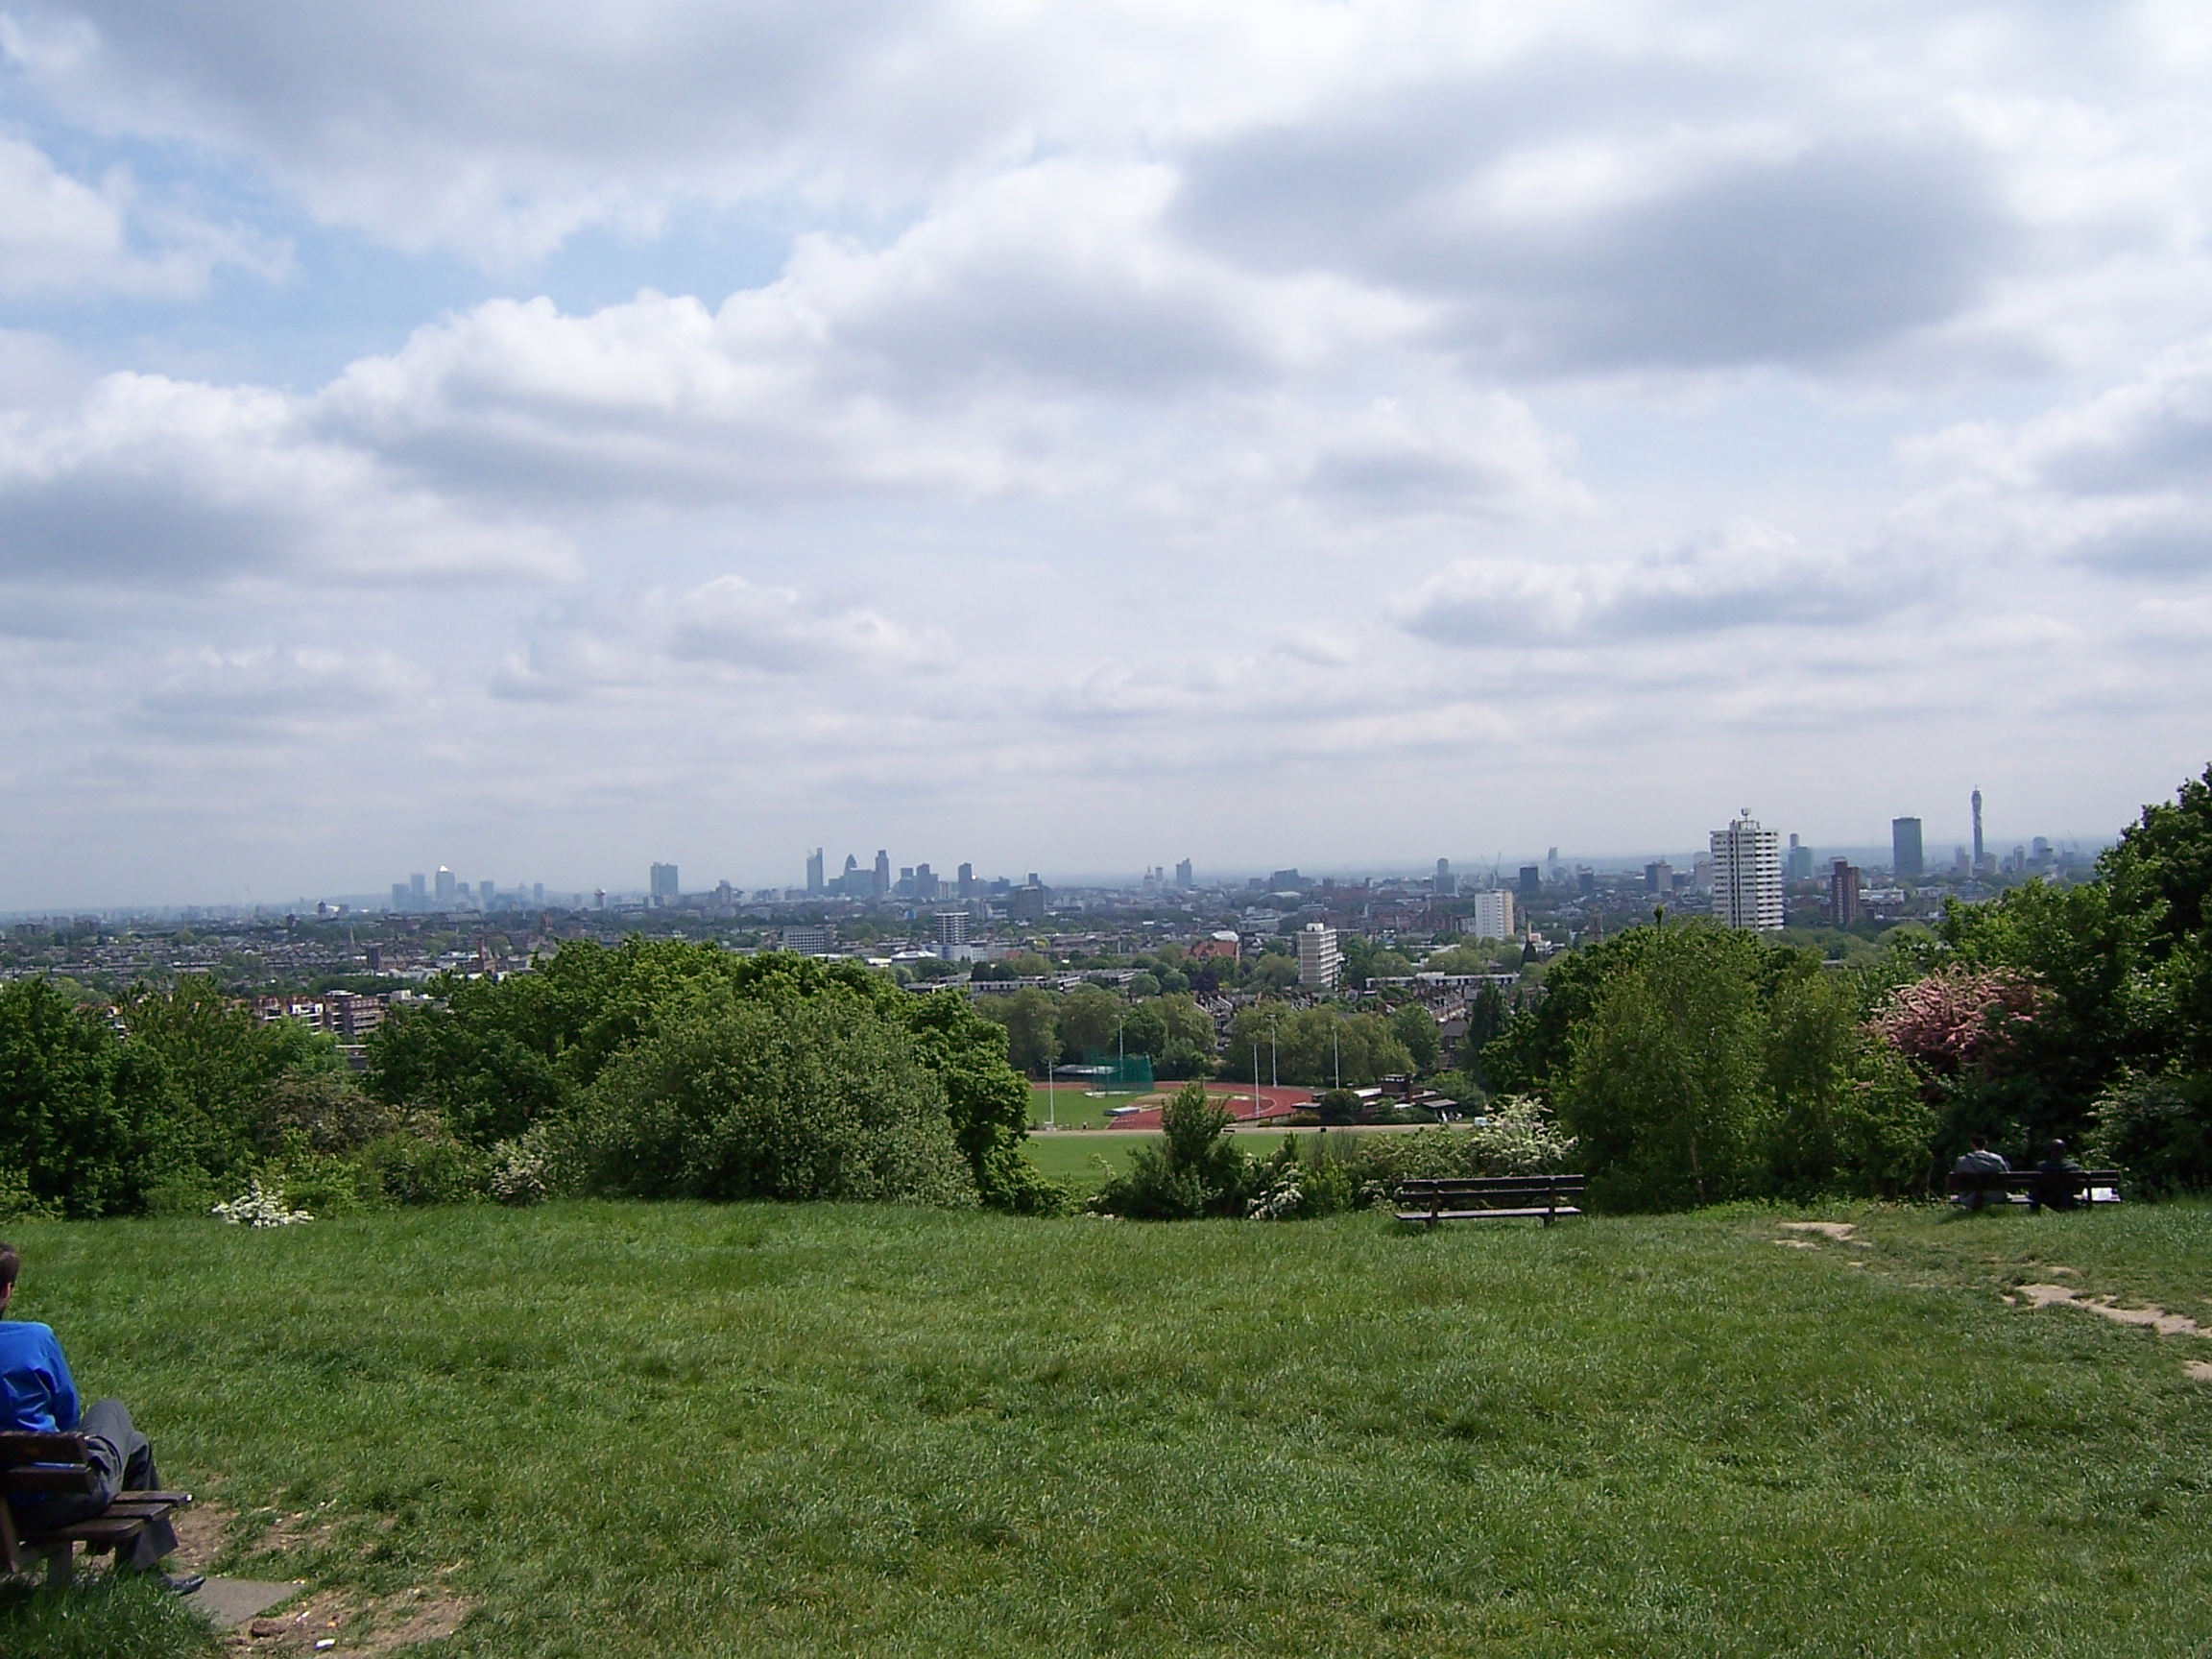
(1088, 1016)
(80, 1112)
(1848, 1109)
(1416, 1028)
(1194, 1170)
(1032, 1029)
(1665, 1087)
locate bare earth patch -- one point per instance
(381, 1625)
(1837, 1230)
(202, 1531)
(1795, 1245)
(2198, 1369)
(2150, 1318)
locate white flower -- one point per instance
(260, 1209)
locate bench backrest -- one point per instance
(1423, 1186)
(2031, 1180)
(37, 1465)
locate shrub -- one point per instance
(2159, 1127)
(1194, 1170)
(424, 1165)
(780, 1096)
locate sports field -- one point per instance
(669, 1430)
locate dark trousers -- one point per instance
(122, 1460)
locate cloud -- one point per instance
(1745, 575)
(259, 692)
(2121, 481)
(60, 237)
(724, 628)
(166, 482)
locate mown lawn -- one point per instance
(671, 1430)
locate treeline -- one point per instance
(649, 1070)
(1694, 1064)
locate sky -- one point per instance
(546, 438)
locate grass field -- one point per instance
(615, 1431)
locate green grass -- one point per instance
(680, 1430)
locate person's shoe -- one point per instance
(182, 1583)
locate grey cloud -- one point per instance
(1729, 252)
(264, 691)
(172, 482)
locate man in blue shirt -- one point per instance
(39, 1395)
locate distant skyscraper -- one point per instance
(537, 892)
(1029, 904)
(1905, 862)
(1493, 917)
(483, 894)
(1531, 880)
(1183, 876)
(663, 883)
(924, 885)
(1447, 883)
(951, 931)
(1797, 864)
(1747, 875)
(400, 895)
(881, 886)
(1321, 964)
(1978, 858)
(814, 881)
(966, 882)
(446, 886)
(419, 890)
(1842, 893)
(1659, 878)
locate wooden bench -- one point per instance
(2031, 1187)
(56, 1466)
(1488, 1197)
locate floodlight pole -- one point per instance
(1336, 1050)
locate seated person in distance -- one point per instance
(1982, 1161)
(38, 1396)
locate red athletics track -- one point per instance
(1276, 1103)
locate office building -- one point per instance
(1797, 862)
(1447, 884)
(663, 888)
(1321, 964)
(1531, 880)
(1182, 876)
(814, 881)
(967, 882)
(924, 885)
(1905, 862)
(446, 887)
(483, 894)
(1285, 882)
(1586, 884)
(1746, 866)
(951, 931)
(418, 891)
(1659, 878)
(1842, 893)
(880, 884)
(399, 896)
(817, 941)
(1493, 917)
(1031, 903)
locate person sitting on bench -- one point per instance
(2058, 1181)
(1982, 1161)
(38, 1396)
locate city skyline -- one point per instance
(1349, 431)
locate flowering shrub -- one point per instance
(521, 1171)
(260, 1208)
(1959, 1022)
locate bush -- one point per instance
(779, 1096)
(1194, 1170)
(424, 1165)
(2159, 1127)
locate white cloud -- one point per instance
(1744, 575)
(61, 237)
(162, 482)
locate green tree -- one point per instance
(1665, 1089)
(1032, 1029)
(1849, 1114)
(81, 1112)
(1194, 1170)
(1088, 1016)
(1416, 1028)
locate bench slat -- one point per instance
(100, 1531)
(1483, 1214)
(32, 1480)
